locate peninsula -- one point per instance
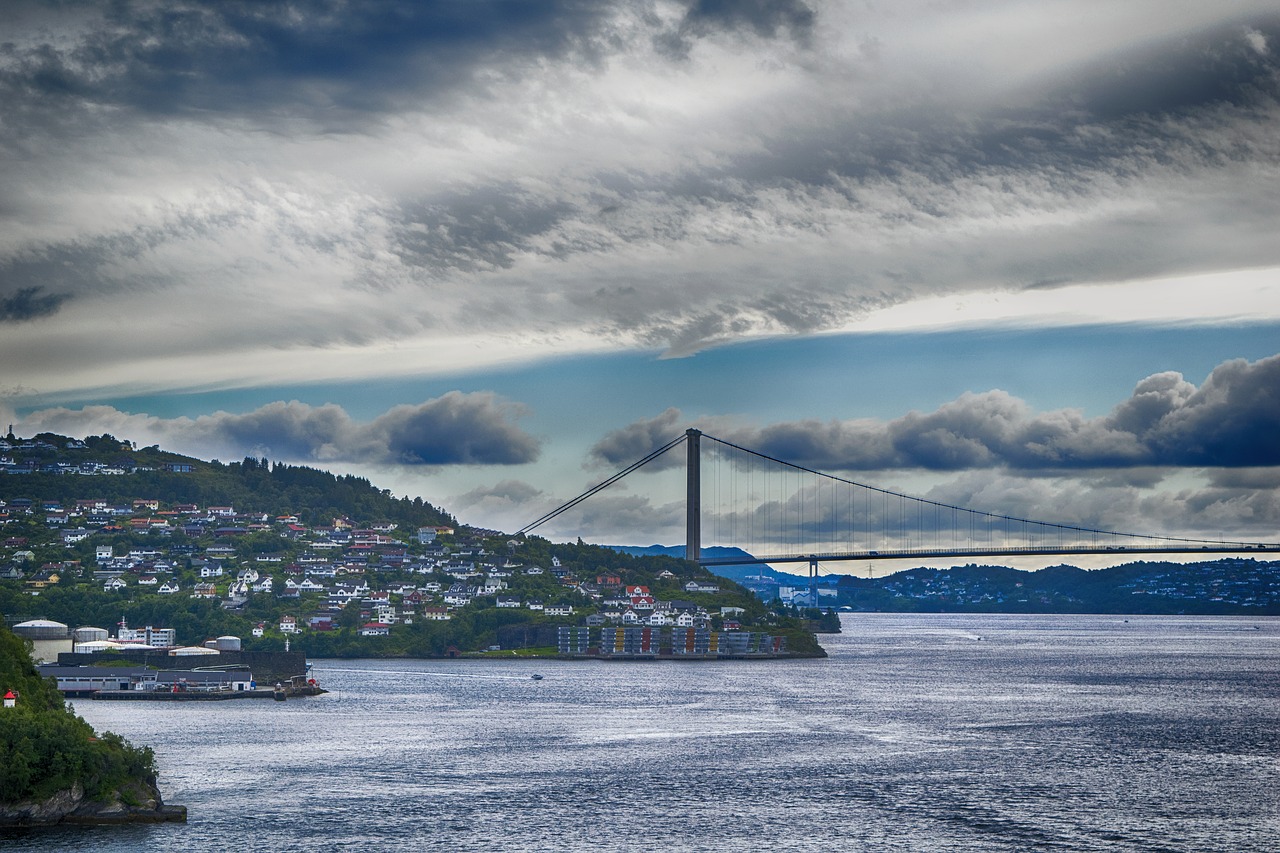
(55, 769)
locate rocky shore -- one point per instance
(135, 802)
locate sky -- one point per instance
(1020, 256)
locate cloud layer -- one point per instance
(455, 429)
(1231, 421)
(241, 179)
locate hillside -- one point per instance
(63, 470)
(278, 554)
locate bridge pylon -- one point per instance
(693, 495)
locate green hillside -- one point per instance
(45, 749)
(272, 488)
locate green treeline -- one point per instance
(44, 748)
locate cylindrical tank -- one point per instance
(89, 635)
(42, 629)
(227, 644)
(97, 646)
(188, 651)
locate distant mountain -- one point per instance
(1232, 586)
(749, 571)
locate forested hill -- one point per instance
(1231, 586)
(58, 468)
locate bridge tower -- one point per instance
(693, 495)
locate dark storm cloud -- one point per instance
(28, 303)
(636, 441)
(761, 18)
(249, 57)
(454, 429)
(327, 60)
(1231, 421)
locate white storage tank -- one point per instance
(42, 629)
(227, 644)
(90, 635)
(189, 651)
(48, 639)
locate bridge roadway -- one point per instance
(927, 553)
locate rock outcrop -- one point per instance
(134, 802)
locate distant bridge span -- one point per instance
(843, 520)
(925, 554)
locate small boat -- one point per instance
(536, 677)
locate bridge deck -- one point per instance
(927, 553)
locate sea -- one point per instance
(918, 733)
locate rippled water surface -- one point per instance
(919, 733)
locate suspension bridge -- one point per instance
(781, 512)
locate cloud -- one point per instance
(635, 441)
(387, 173)
(28, 303)
(1231, 421)
(454, 429)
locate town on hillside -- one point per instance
(186, 573)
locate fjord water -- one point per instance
(919, 733)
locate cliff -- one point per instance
(132, 802)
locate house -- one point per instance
(375, 629)
(205, 590)
(168, 588)
(559, 610)
(508, 601)
(701, 586)
(289, 625)
(436, 614)
(259, 629)
(43, 578)
(114, 584)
